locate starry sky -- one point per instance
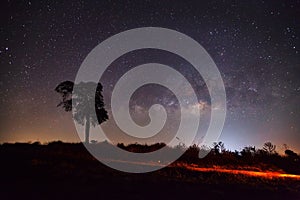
(255, 45)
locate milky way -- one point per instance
(254, 44)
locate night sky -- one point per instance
(255, 45)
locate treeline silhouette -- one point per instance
(251, 157)
(266, 158)
(141, 148)
(59, 170)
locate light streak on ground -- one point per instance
(266, 174)
(262, 174)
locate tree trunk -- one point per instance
(87, 130)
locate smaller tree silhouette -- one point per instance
(248, 151)
(285, 147)
(218, 147)
(269, 148)
(290, 153)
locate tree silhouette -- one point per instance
(248, 151)
(82, 102)
(285, 147)
(218, 147)
(269, 148)
(290, 153)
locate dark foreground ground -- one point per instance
(69, 172)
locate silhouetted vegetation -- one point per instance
(84, 106)
(67, 171)
(269, 148)
(249, 157)
(139, 148)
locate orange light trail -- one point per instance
(267, 174)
